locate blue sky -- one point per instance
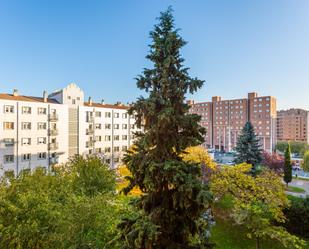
(235, 46)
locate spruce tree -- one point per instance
(248, 148)
(174, 201)
(287, 177)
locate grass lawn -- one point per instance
(295, 189)
(301, 178)
(228, 236)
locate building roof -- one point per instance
(26, 98)
(123, 107)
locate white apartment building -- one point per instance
(48, 130)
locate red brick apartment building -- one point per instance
(224, 120)
(292, 125)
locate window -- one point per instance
(98, 114)
(124, 148)
(78, 98)
(73, 101)
(107, 149)
(8, 109)
(98, 138)
(8, 159)
(41, 155)
(26, 141)
(116, 115)
(98, 150)
(98, 126)
(124, 126)
(8, 126)
(9, 142)
(41, 126)
(108, 114)
(107, 126)
(26, 110)
(26, 126)
(41, 111)
(41, 140)
(108, 161)
(26, 157)
(124, 137)
(116, 126)
(107, 138)
(116, 137)
(132, 126)
(124, 115)
(116, 160)
(116, 149)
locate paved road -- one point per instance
(301, 184)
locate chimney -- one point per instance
(252, 95)
(216, 98)
(102, 102)
(15, 92)
(190, 102)
(45, 96)
(90, 101)
(119, 103)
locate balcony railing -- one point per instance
(53, 132)
(90, 119)
(89, 132)
(89, 144)
(54, 160)
(53, 117)
(53, 146)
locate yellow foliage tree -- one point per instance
(258, 202)
(122, 182)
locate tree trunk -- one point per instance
(257, 244)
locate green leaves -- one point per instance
(174, 198)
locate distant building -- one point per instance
(45, 131)
(292, 125)
(224, 120)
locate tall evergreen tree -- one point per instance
(287, 177)
(248, 148)
(174, 200)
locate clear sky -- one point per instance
(236, 46)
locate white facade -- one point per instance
(42, 132)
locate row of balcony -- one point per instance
(53, 117)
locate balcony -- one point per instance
(90, 119)
(89, 131)
(53, 160)
(89, 144)
(53, 146)
(53, 132)
(53, 117)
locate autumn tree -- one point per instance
(273, 161)
(248, 148)
(305, 164)
(287, 177)
(258, 203)
(174, 199)
(199, 155)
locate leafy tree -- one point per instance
(248, 149)
(174, 199)
(257, 203)
(69, 209)
(298, 217)
(296, 147)
(305, 164)
(274, 162)
(90, 175)
(197, 154)
(287, 177)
